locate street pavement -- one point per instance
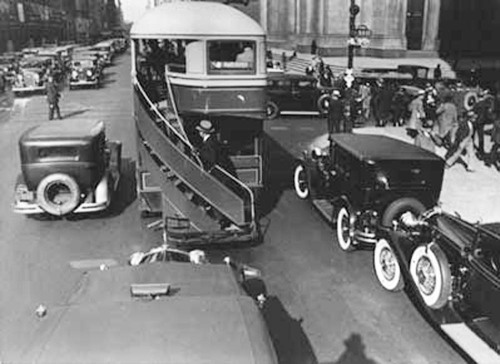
(473, 195)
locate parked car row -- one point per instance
(27, 71)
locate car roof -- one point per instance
(63, 129)
(176, 329)
(186, 279)
(380, 147)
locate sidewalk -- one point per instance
(475, 196)
(340, 63)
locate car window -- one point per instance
(58, 153)
(305, 84)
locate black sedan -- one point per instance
(452, 268)
(295, 94)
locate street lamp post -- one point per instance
(349, 78)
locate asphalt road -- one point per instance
(324, 306)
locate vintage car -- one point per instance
(31, 74)
(290, 93)
(84, 71)
(360, 181)
(153, 313)
(67, 167)
(452, 268)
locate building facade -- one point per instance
(29, 23)
(397, 26)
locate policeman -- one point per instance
(335, 114)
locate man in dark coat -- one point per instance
(211, 151)
(335, 114)
(52, 98)
(484, 112)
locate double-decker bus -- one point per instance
(194, 61)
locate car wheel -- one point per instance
(430, 271)
(344, 229)
(273, 110)
(58, 194)
(397, 208)
(301, 182)
(470, 99)
(324, 103)
(387, 268)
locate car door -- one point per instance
(304, 94)
(483, 294)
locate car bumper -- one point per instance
(83, 82)
(102, 201)
(28, 89)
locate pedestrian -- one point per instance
(437, 72)
(335, 114)
(416, 128)
(484, 111)
(447, 120)
(493, 156)
(366, 99)
(462, 146)
(314, 47)
(53, 96)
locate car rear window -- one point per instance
(58, 152)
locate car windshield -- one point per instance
(84, 63)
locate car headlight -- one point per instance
(74, 74)
(382, 181)
(89, 73)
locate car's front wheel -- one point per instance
(301, 182)
(272, 109)
(345, 236)
(387, 268)
(430, 270)
(324, 103)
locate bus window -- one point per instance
(231, 57)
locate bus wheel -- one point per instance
(273, 110)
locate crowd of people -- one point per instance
(434, 114)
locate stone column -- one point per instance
(432, 9)
(263, 14)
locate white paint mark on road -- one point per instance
(279, 128)
(92, 263)
(309, 128)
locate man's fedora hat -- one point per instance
(205, 126)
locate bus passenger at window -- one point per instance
(247, 56)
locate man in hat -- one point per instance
(335, 114)
(484, 111)
(447, 120)
(52, 97)
(211, 151)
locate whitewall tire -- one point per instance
(344, 229)
(387, 268)
(300, 182)
(430, 270)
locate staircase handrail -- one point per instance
(194, 155)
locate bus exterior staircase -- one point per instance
(196, 197)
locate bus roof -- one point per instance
(194, 18)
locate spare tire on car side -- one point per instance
(399, 207)
(58, 194)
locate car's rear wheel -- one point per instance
(58, 194)
(301, 182)
(324, 103)
(387, 268)
(430, 270)
(273, 110)
(397, 208)
(344, 229)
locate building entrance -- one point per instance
(414, 24)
